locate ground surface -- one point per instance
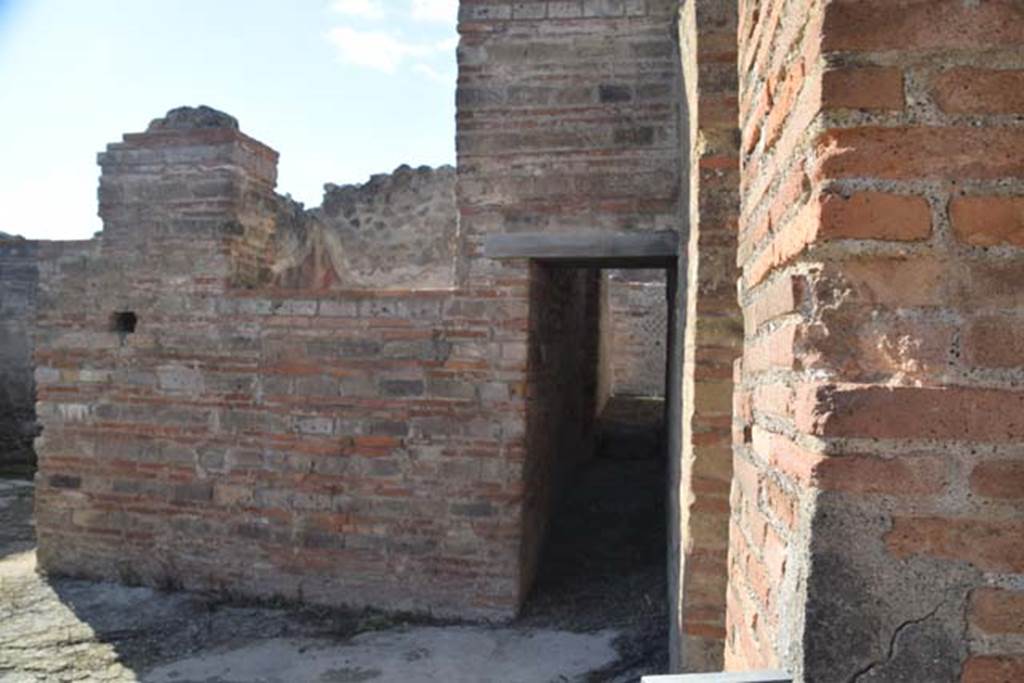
(604, 565)
(597, 614)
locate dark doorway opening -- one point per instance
(603, 557)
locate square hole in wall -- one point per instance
(123, 322)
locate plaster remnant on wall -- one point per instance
(396, 231)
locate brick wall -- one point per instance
(19, 276)
(638, 329)
(344, 450)
(330, 447)
(23, 263)
(707, 38)
(348, 446)
(879, 419)
(568, 120)
(567, 116)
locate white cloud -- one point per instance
(367, 9)
(447, 45)
(434, 74)
(377, 49)
(29, 209)
(443, 11)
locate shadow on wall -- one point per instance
(19, 278)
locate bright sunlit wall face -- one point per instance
(332, 83)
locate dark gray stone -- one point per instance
(191, 118)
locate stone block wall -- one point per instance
(637, 316)
(19, 276)
(880, 419)
(395, 231)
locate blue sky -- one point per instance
(341, 88)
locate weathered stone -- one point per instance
(192, 118)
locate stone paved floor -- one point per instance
(68, 630)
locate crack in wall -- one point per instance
(892, 643)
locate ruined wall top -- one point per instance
(192, 118)
(397, 230)
(193, 172)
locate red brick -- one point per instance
(759, 580)
(967, 90)
(785, 245)
(994, 342)
(762, 171)
(855, 344)
(774, 349)
(784, 97)
(993, 669)
(780, 502)
(775, 556)
(905, 475)
(942, 152)
(911, 25)
(779, 297)
(911, 412)
(875, 216)
(718, 111)
(863, 88)
(990, 545)
(786, 457)
(988, 221)
(999, 479)
(793, 192)
(890, 282)
(995, 610)
(773, 398)
(759, 111)
(747, 477)
(987, 284)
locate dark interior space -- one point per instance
(604, 556)
(19, 294)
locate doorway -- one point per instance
(598, 471)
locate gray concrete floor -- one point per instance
(71, 630)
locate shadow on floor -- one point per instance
(16, 532)
(59, 629)
(604, 562)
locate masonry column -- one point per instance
(184, 208)
(714, 331)
(878, 500)
(193, 181)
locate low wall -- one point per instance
(342, 450)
